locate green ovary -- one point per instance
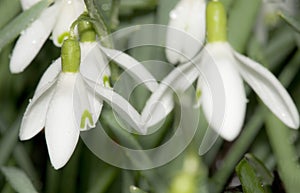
(70, 56)
(216, 22)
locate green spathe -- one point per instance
(70, 56)
(216, 22)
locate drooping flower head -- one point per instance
(69, 99)
(233, 68)
(220, 91)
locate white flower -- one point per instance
(221, 72)
(67, 101)
(186, 30)
(57, 19)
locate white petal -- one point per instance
(50, 74)
(34, 118)
(122, 107)
(32, 39)
(87, 108)
(96, 105)
(134, 68)
(94, 65)
(26, 4)
(269, 89)
(61, 130)
(69, 12)
(186, 32)
(223, 97)
(160, 103)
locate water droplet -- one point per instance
(105, 7)
(173, 14)
(33, 42)
(30, 100)
(69, 2)
(283, 114)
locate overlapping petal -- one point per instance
(32, 39)
(160, 103)
(134, 68)
(223, 96)
(94, 66)
(34, 118)
(269, 89)
(61, 131)
(120, 105)
(70, 11)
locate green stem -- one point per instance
(284, 152)
(114, 16)
(237, 151)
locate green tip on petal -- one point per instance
(106, 81)
(216, 22)
(86, 115)
(70, 56)
(86, 32)
(62, 37)
(198, 94)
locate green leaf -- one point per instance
(284, 152)
(8, 142)
(104, 179)
(18, 180)
(21, 22)
(242, 18)
(134, 189)
(8, 10)
(293, 22)
(248, 178)
(260, 168)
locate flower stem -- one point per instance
(284, 152)
(241, 145)
(114, 16)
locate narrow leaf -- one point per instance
(21, 22)
(248, 178)
(293, 22)
(8, 142)
(241, 21)
(18, 180)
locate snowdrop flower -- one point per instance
(67, 100)
(57, 18)
(186, 30)
(220, 89)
